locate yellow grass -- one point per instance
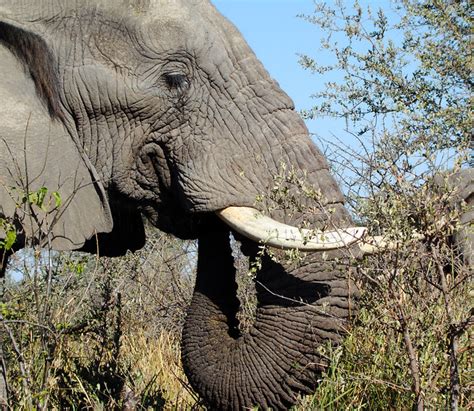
(159, 359)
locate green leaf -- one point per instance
(4, 310)
(41, 195)
(57, 199)
(9, 239)
(10, 235)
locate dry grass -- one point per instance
(158, 362)
(117, 342)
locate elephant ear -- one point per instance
(48, 188)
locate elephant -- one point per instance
(459, 186)
(159, 109)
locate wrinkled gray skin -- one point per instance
(160, 108)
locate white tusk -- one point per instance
(252, 224)
(374, 245)
(377, 244)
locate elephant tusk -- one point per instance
(252, 224)
(378, 244)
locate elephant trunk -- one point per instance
(300, 307)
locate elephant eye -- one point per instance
(176, 81)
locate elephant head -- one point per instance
(159, 108)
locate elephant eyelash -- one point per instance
(176, 81)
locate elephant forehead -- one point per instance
(145, 9)
(181, 11)
(169, 23)
(166, 24)
(196, 26)
(176, 8)
(186, 20)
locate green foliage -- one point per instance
(10, 235)
(404, 73)
(370, 371)
(40, 199)
(401, 78)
